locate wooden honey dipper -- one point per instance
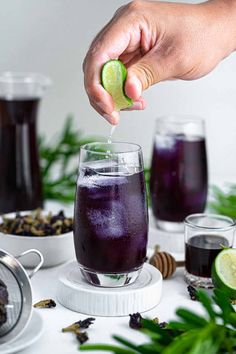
(165, 262)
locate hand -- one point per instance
(159, 41)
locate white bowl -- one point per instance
(55, 249)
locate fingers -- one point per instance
(99, 98)
(143, 74)
(120, 37)
(113, 118)
(138, 105)
(110, 44)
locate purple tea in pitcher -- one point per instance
(178, 181)
(20, 181)
(110, 220)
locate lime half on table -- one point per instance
(224, 272)
(113, 80)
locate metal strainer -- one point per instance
(19, 304)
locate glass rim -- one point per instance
(85, 147)
(180, 119)
(188, 222)
(21, 77)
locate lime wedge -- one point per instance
(224, 272)
(113, 80)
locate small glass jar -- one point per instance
(205, 235)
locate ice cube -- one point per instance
(108, 222)
(165, 141)
(101, 180)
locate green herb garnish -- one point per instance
(224, 202)
(212, 333)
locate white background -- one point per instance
(52, 36)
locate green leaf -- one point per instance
(181, 326)
(224, 202)
(207, 303)
(193, 334)
(222, 300)
(232, 320)
(191, 318)
(164, 336)
(60, 155)
(130, 345)
(106, 347)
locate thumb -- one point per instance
(141, 75)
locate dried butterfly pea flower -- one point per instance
(37, 224)
(3, 315)
(192, 293)
(45, 304)
(3, 302)
(82, 337)
(79, 325)
(162, 324)
(3, 293)
(135, 320)
(76, 327)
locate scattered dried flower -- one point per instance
(82, 337)
(135, 320)
(192, 293)
(79, 325)
(45, 304)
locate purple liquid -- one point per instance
(20, 181)
(178, 182)
(111, 222)
(200, 252)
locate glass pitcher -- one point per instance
(20, 180)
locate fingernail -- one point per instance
(137, 106)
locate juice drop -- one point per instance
(109, 141)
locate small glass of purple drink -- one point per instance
(110, 218)
(178, 181)
(205, 236)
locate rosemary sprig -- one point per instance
(213, 333)
(59, 162)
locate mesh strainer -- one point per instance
(19, 304)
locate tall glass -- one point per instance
(20, 181)
(110, 218)
(178, 182)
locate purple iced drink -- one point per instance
(178, 183)
(20, 181)
(111, 221)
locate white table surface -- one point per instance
(54, 341)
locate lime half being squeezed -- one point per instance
(113, 80)
(224, 272)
